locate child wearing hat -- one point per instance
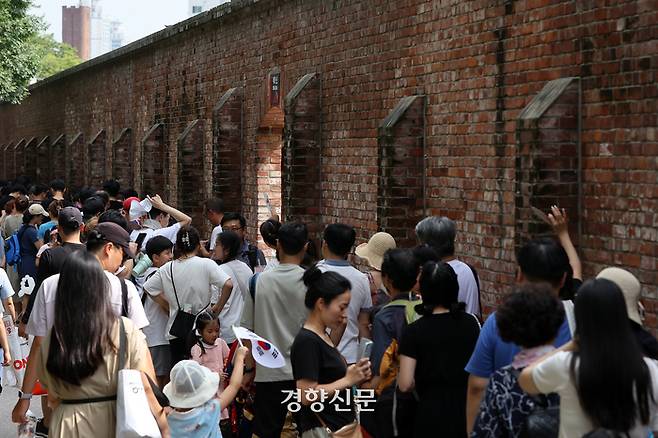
(192, 394)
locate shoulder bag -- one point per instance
(184, 321)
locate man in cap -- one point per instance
(631, 288)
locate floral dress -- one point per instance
(505, 405)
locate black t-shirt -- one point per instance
(50, 263)
(313, 359)
(52, 260)
(442, 344)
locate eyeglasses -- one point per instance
(233, 228)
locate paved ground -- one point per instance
(7, 401)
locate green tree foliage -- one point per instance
(19, 59)
(54, 56)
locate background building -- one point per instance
(76, 29)
(85, 28)
(198, 6)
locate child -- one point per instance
(211, 351)
(192, 393)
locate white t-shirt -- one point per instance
(271, 264)
(168, 232)
(554, 375)
(240, 274)
(6, 290)
(468, 288)
(213, 236)
(155, 331)
(360, 300)
(42, 317)
(194, 278)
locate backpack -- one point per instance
(13, 248)
(543, 421)
(390, 364)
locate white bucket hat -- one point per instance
(630, 287)
(373, 251)
(191, 385)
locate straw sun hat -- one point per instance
(373, 251)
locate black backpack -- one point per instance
(543, 421)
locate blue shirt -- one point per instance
(45, 227)
(492, 353)
(200, 422)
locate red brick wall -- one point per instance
(479, 63)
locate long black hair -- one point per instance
(84, 319)
(612, 379)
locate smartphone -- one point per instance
(365, 348)
(140, 240)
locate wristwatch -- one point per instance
(24, 395)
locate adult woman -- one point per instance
(373, 253)
(617, 388)
(29, 240)
(434, 351)
(269, 231)
(317, 365)
(53, 212)
(14, 210)
(81, 371)
(184, 285)
(530, 317)
(227, 249)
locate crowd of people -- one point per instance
(377, 341)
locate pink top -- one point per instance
(213, 359)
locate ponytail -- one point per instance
(187, 240)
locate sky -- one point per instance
(139, 17)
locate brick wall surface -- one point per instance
(478, 62)
(123, 158)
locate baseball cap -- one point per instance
(70, 216)
(156, 245)
(191, 385)
(37, 209)
(630, 288)
(127, 202)
(112, 232)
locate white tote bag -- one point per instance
(134, 416)
(13, 375)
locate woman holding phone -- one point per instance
(317, 365)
